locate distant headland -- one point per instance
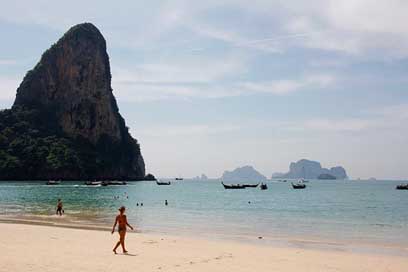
(312, 170)
(65, 123)
(243, 173)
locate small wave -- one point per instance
(382, 225)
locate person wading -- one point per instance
(59, 210)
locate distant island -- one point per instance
(245, 173)
(326, 176)
(202, 177)
(312, 170)
(65, 123)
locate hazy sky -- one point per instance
(207, 86)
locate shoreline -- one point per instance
(293, 242)
(44, 248)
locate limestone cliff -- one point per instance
(73, 80)
(70, 88)
(311, 170)
(245, 173)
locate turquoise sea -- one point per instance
(342, 211)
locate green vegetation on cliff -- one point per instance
(32, 146)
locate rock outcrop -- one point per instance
(69, 92)
(203, 177)
(326, 177)
(245, 173)
(311, 170)
(73, 80)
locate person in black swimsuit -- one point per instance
(59, 207)
(122, 223)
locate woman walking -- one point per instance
(122, 223)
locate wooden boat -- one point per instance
(233, 186)
(113, 182)
(93, 183)
(402, 187)
(298, 185)
(264, 186)
(178, 178)
(163, 183)
(53, 182)
(250, 185)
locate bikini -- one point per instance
(120, 228)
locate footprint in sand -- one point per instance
(227, 255)
(150, 242)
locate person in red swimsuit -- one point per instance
(122, 223)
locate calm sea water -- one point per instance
(368, 212)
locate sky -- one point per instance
(208, 86)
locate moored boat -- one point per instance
(233, 186)
(402, 187)
(250, 185)
(113, 182)
(264, 186)
(93, 183)
(299, 185)
(53, 182)
(163, 183)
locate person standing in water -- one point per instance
(59, 207)
(122, 223)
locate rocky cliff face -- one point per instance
(311, 170)
(71, 85)
(73, 80)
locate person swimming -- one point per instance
(121, 221)
(59, 207)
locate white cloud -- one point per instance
(184, 78)
(187, 130)
(192, 69)
(343, 125)
(352, 26)
(390, 118)
(141, 91)
(235, 39)
(286, 86)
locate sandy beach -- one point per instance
(44, 248)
